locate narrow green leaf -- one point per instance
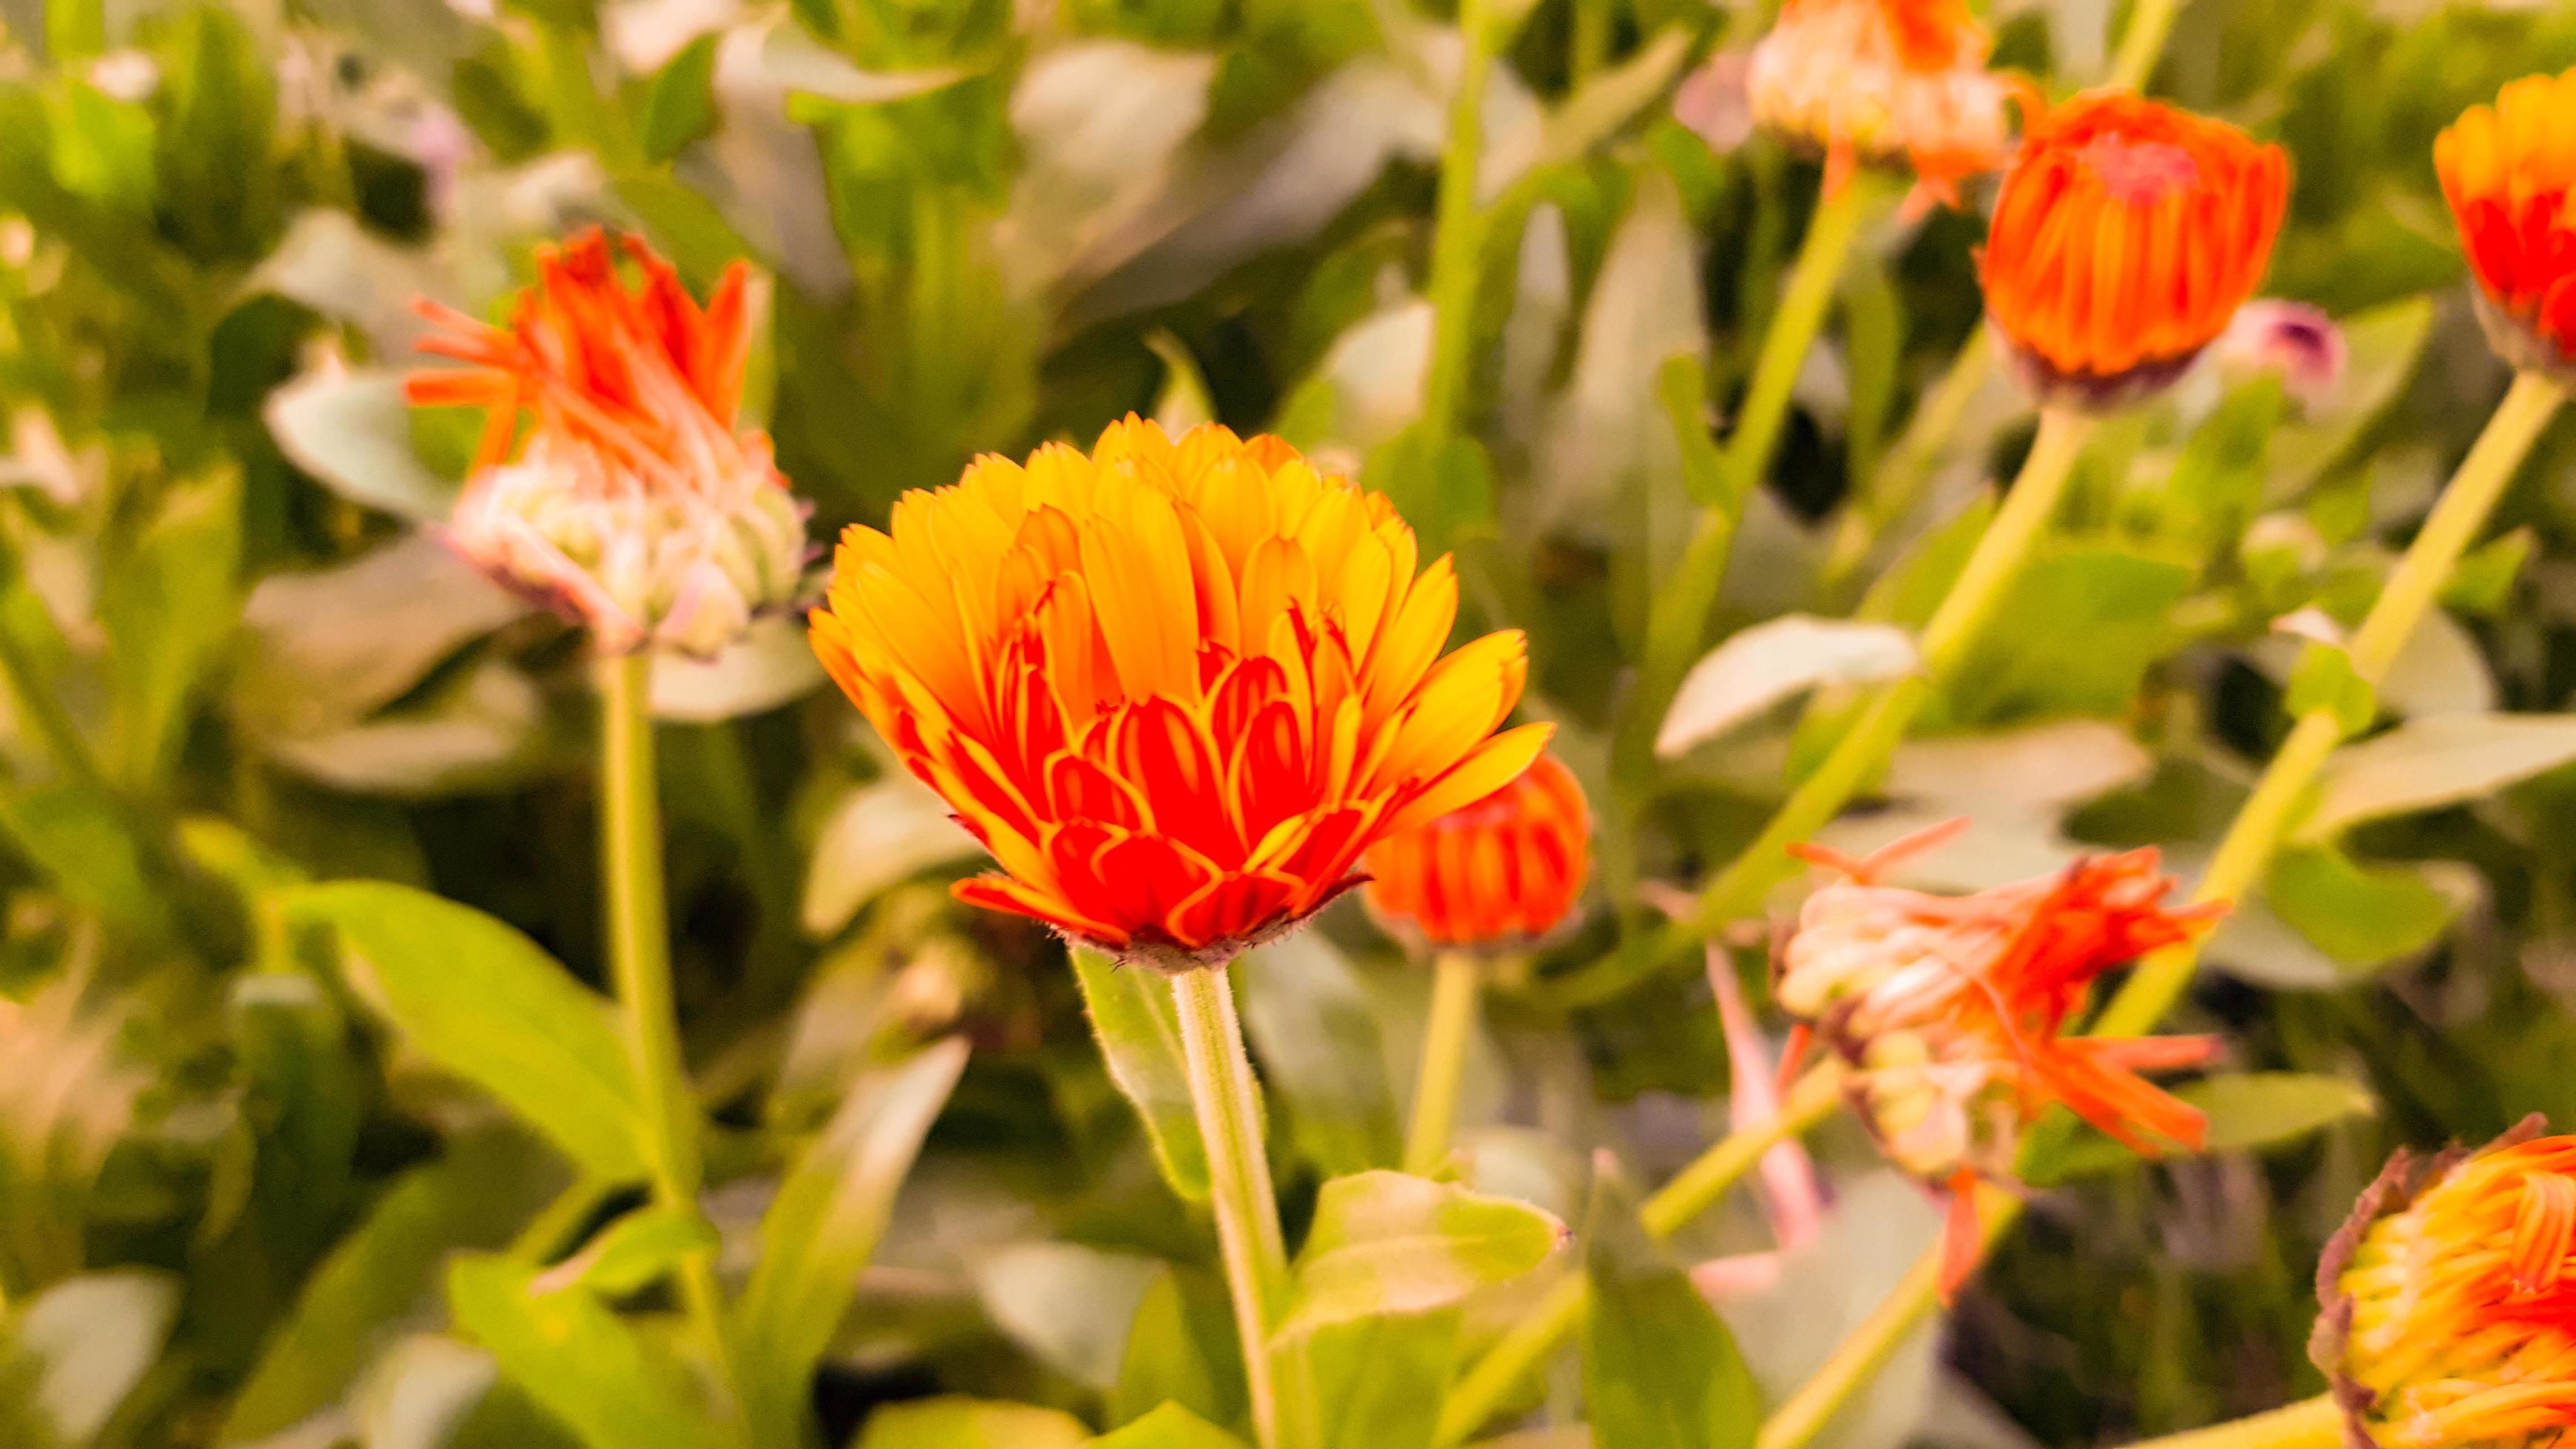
(584, 1364)
(84, 844)
(1681, 385)
(1660, 1371)
(824, 1224)
(1169, 1427)
(2326, 679)
(957, 1423)
(1315, 1032)
(2247, 1112)
(1139, 1031)
(2361, 915)
(680, 104)
(2440, 760)
(483, 1001)
(636, 1250)
(167, 605)
(1385, 1243)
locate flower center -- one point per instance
(2139, 173)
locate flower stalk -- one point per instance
(1457, 984)
(1254, 1250)
(2308, 1424)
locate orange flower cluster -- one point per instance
(1950, 1009)
(2126, 236)
(2450, 1298)
(1884, 80)
(2507, 171)
(1175, 688)
(637, 505)
(1499, 873)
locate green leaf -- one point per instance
(958, 1423)
(584, 1364)
(483, 1001)
(91, 1338)
(2074, 635)
(84, 844)
(1681, 385)
(1660, 1371)
(1379, 1380)
(1385, 1243)
(2361, 915)
(2436, 761)
(1139, 1032)
(2325, 679)
(352, 431)
(1315, 1032)
(1183, 402)
(476, 1196)
(634, 1251)
(1443, 486)
(167, 604)
(680, 105)
(823, 1226)
(1169, 1427)
(1182, 1348)
(2247, 1112)
(2380, 349)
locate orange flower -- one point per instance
(637, 504)
(1949, 1010)
(1884, 80)
(1499, 873)
(2450, 1298)
(2126, 235)
(1175, 688)
(2507, 170)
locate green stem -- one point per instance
(1865, 747)
(1457, 980)
(2316, 1423)
(1482, 1390)
(1901, 475)
(2242, 856)
(1228, 1105)
(1801, 315)
(639, 951)
(2150, 21)
(1458, 246)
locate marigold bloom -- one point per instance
(637, 505)
(2450, 1298)
(2126, 235)
(1498, 873)
(1175, 688)
(1949, 1009)
(2506, 170)
(1885, 81)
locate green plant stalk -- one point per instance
(2143, 43)
(1865, 747)
(1481, 1391)
(1457, 983)
(1285, 1414)
(2242, 856)
(1801, 315)
(1458, 246)
(639, 949)
(2316, 1423)
(1892, 486)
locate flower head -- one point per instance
(1884, 81)
(2450, 1298)
(2126, 235)
(2507, 170)
(1175, 688)
(1949, 1009)
(2298, 343)
(1497, 873)
(637, 504)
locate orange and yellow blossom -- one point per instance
(1497, 874)
(2450, 1298)
(1950, 1009)
(2507, 171)
(1176, 688)
(2125, 237)
(1885, 81)
(638, 504)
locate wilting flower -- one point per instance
(1498, 873)
(1949, 1009)
(2450, 1298)
(1175, 688)
(1885, 81)
(2126, 235)
(2293, 341)
(637, 504)
(2506, 170)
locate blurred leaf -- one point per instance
(85, 845)
(1169, 1427)
(587, 1366)
(483, 1001)
(1182, 1348)
(1660, 1371)
(376, 1278)
(1139, 1031)
(1777, 659)
(2381, 346)
(959, 1423)
(329, 646)
(1072, 1306)
(2326, 679)
(1610, 101)
(792, 60)
(92, 1337)
(680, 102)
(218, 190)
(1368, 387)
(1681, 385)
(2361, 915)
(1183, 402)
(2247, 1112)
(877, 836)
(2439, 670)
(2436, 761)
(167, 605)
(102, 148)
(2026, 768)
(1380, 1379)
(1315, 1033)
(2482, 582)
(2074, 635)
(421, 1391)
(769, 666)
(352, 432)
(822, 1228)
(634, 1252)
(1384, 1243)
(477, 727)
(1443, 486)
